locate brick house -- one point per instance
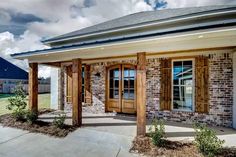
(178, 64)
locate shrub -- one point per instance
(59, 121)
(17, 103)
(157, 132)
(207, 141)
(31, 117)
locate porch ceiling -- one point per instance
(175, 42)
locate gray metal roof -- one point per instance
(140, 18)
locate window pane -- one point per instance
(126, 94)
(187, 104)
(188, 91)
(176, 92)
(131, 81)
(116, 80)
(188, 81)
(177, 69)
(111, 83)
(177, 104)
(116, 72)
(116, 93)
(187, 64)
(187, 73)
(126, 72)
(131, 94)
(131, 73)
(126, 83)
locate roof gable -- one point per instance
(11, 71)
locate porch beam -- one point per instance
(33, 87)
(77, 92)
(141, 93)
(53, 64)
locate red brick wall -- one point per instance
(220, 91)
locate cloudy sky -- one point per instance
(23, 23)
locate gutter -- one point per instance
(171, 20)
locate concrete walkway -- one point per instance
(101, 136)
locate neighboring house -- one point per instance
(178, 64)
(10, 76)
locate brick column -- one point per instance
(88, 94)
(61, 88)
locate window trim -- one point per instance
(172, 85)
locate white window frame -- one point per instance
(172, 84)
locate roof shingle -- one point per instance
(140, 18)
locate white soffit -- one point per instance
(175, 42)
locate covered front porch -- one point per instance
(149, 53)
(78, 97)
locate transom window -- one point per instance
(182, 85)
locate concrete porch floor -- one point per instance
(100, 135)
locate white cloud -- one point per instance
(59, 17)
(195, 3)
(62, 16)
(26, 42)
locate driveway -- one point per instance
(101, 136)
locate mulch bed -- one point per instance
(143, 145)
(7, 120)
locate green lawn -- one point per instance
(44, 102)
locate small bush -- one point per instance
(157, 132)
(31, 117)
(17, 103)
(207, 141)
(59, 121)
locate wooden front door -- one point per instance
(121, 88)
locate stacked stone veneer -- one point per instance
(220, 91)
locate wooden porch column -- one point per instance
(76, 92)
(33, 87)
(141, 93)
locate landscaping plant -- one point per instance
(31, 117)
(59, 121)
(157, 132)
(17, 103)
(207, 141)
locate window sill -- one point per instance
(178, 110)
